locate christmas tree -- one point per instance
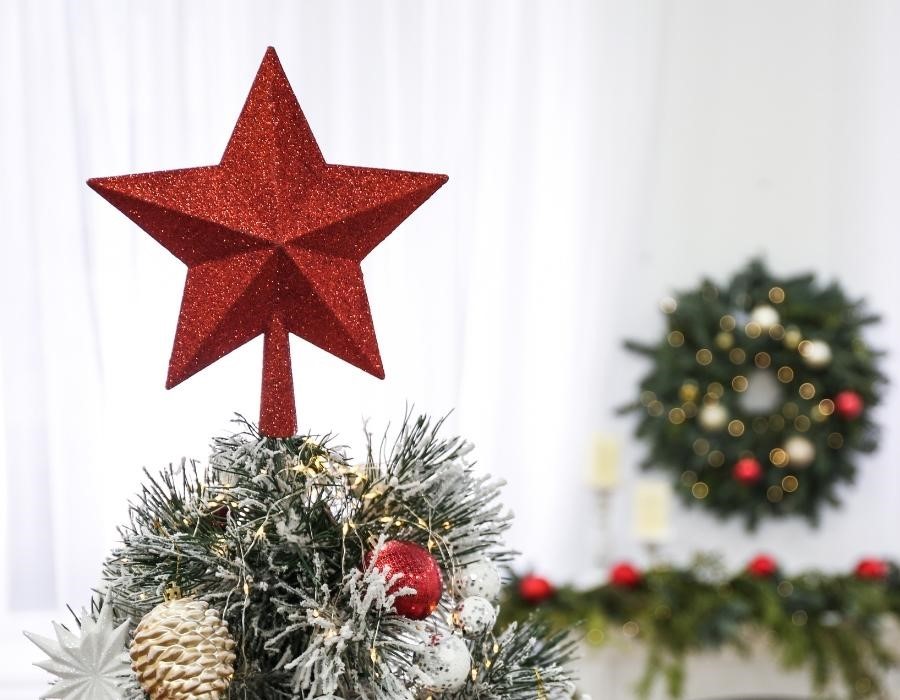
(283, 568)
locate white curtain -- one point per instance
(600, 153)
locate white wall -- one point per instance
(777, 135)
(600, 154)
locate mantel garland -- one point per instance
(760, 393)
(831, 625)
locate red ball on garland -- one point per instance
(747, 470)
(872, 569)
(625, 575)
(534, 590)
(420, 571)
(762, 566)
(848, 404)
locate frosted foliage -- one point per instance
(276, 535)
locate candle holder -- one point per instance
(603, 555)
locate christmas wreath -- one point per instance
(759, 394)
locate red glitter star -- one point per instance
(273, 238)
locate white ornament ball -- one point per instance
(800, 451)
(816, 354)
(446, 664)
(480, 578)
(474, 616)
(765, 316)
(713, 416)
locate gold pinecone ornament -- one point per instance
(182, 650)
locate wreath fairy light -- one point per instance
(759, 395)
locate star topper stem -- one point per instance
(277, 411)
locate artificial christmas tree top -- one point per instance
(273, 238)
(304, 575)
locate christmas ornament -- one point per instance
(747, 470)
(479, 578)
(872, 570)
(534, 590)
(848, 404)
(273, 237)
(625, 575)
(419, 571)
(740, 368)
(713, 417)
(762, 566)
(474, 616)
(91, 665)
(800, 451)
(765, 316)
(446, 663)
(815, 353)
(182, 650)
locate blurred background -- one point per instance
(601, 155)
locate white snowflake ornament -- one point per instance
(91, 666)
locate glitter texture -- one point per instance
(420, 571)
(273, 238)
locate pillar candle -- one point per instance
(604, 472)
(652, 500)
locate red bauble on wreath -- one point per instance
(419, 571)
(848, 404)
(747, 470)
(872, 569)
(534, 590)
(762, 566)
(625, 575)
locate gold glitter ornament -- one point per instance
(182, 650)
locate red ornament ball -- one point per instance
(747, 470)
(625, 575)
(534, 590)
(872, 570)
(848, 404)
(419, 570)
(762, 566)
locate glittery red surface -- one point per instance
(420, 571)
(273, 238)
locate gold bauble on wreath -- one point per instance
(182, 650)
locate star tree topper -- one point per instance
(273, 237)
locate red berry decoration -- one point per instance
(419, 570)
(848, 404)
(534, 590)
(625, 575)
(747, 470)
(872, 570)
(762, 566)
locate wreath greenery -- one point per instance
(759, 394)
